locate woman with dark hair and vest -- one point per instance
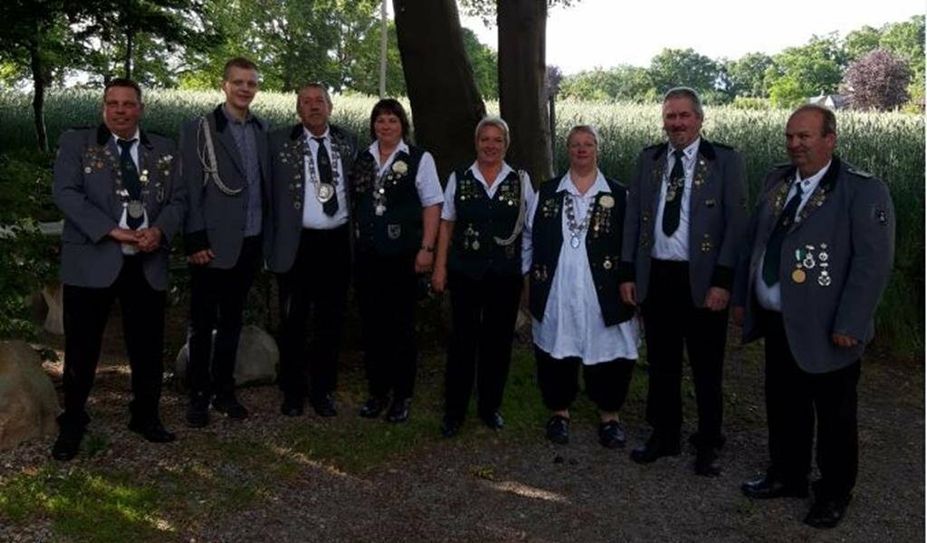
(397, 206)
(479, 261)
(571, 250)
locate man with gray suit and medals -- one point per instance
(226, 172)
(311, 251)
(682, 236)
(122, 205)
(821, 244)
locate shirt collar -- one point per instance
(688, 152)
(326, 135)
(813, 180)
(503, 173)
(375, 148)
(600, 185)
(234, 120)
(135, 136)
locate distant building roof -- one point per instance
(833, 101)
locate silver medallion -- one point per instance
(574, 242)
(136, 209)
(380, 209)
(475, 245)
(393, 231)
(824, 278)
(325, 192)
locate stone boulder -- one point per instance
(256, 363)
(28, 402)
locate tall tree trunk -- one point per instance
(38, 96)
(522, 95)
(130, 45)
(446, 105)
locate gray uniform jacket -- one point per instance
(717, 215)
(288, 174)
(215, 220)
(836, 261)
(87, 186)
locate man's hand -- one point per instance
(423, 261)
(628, 293)
(737, 312)
(124, 235)
(201, 258)
(841, 340)
(149, 239)
(717, 298)
(439, 279)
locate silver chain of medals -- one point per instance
(134, 208)
(576, 228)
(323, 191)
(379, 191)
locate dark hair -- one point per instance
(123, 82)
(828, 118)
(393, 107)
(237, 62)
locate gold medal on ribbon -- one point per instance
(799, 276)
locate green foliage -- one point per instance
(683, 67)
(746, 75)
(485, 65)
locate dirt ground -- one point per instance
(492, 487)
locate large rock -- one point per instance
(28, 402)
(256, 363)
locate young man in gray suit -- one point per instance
(311, 250)
(682, 234)
(821, 244)
(122, 205)
(226, 171)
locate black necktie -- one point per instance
(677, 183)
(330, 207)
(774, 244)
(130, 180)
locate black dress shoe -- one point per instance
(399, 410)
(655, 448)
(765, 487)
(558, 430)
(493, 420)
(717, 442)
(325, 406)
(611, 436)
(450, 426)
(230, 406)
(372, 407)
(152, 431)
(827, 512)
(198, 411)
(706, 462)
(292, 406)
(67, 444)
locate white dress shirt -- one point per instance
(449, 211)
(675, 247)
(313, 214)
(427, 183)
(128, 248)
(770, 297)
(573, 323)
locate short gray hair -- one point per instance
(499, 123)
(686, 92)
(316, 85)
(583, 129)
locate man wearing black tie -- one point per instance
(122, 203)
(311, 249)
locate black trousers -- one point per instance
(386, 292)
(217, 301)
(671, 320)
(316, 287)
(86, 311)
(483, 313)
(794, 399)
(606, 383)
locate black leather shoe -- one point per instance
(198, 411)
(450, 426)
(230, 406)
(655, 448)
(611, 435)
(399, 410)
(372, 407)
(152, 431)
(292, 406)
(717, 442)
(67, 444)
(706, 462)
(827, 512)
(558, 430)
(493, 420)
(765, 487)
(325, 406)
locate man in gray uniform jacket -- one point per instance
(821, 244)
(122, 205)
(311, 251)
(226, 172)
(682, 234)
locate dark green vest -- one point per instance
(398, 230)
(603, 249)
(480, 220)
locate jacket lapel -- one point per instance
(820, 194)
(225, 139)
